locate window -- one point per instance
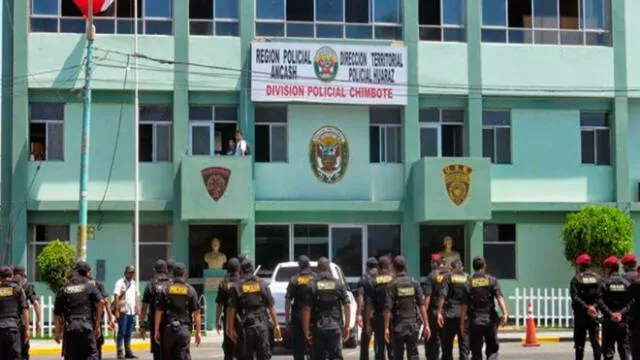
(595, 138)
(496, 136)
(383, 240)
(46, 131)
(336, 19)
(500, 249)
(385, 144)
(63, 16)
(311, 240)
(155, 243)
(214, 17)
(566, 22)
(441, 132)
(442, 20)
(39, 237)
(155, 133)
(271, 134)
(272, 245)
(212, 130)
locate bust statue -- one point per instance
(215, 259)
(448, 254)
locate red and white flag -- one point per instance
(98, 6)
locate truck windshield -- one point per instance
(286, 273)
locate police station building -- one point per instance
(374, 127)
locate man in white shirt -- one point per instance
(126, 310)
(242, 148)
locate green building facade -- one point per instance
(507, 120)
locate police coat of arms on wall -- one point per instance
(329, 154)
(216, 180)
(457, 182)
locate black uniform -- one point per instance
(585, 291)
(251, 298)
(30, 293)
(631, 277)
(94, 311)
(615, 299)
(453, 293)
(75, 303)
(377, 298)
(178, 301)
(634, 292)
(222, 298)
(12, 303)
(151, 295)
(364, 287)
(404, 297)
(433, 288)
(328, 298)
(481, 291)
(298, 289)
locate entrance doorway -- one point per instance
(447, 240)
(200, 243)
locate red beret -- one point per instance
(435, 257)
(583, 259)
(629, 258)
(610, 261)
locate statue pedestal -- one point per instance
(212, 279)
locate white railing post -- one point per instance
(517, 307)
(546, 308)
(538, 307)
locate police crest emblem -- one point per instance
(216, 180)
(329, 154)
(325, 64)
(457, 182)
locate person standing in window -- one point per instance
(232, 147)
(126, 309)
(242, 148)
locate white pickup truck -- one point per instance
(278, 286)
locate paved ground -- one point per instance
(509, 351)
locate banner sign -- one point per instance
(330, 74)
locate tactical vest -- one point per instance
(78, 300)
(380, 284)
(481, 298)
(588, 284)
(405, 306)
(437, 283)
(455, 295)
(157, 287)
(616, 295)
(226, 286)
(177, 310)
(9, 305)
(301, 284)
(252, 302)
(327, 308)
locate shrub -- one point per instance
(599, 231)
(55, 263)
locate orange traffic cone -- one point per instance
(532, 338)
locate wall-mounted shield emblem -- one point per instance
(457, 182)
(216, 180)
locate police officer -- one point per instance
(298, 289)
(14, 312)
(585, 290)
(74, 305)
(481, 291)
(450, 306)
(106, 308)
(251, 299)
(224, 292)
(329, 302)
(170, 265)
(364, 286)
(615, 305)
(432, 291)
(20, 278)
(629, 267)
(150, 297)
(376, 300)
(405, 302)
(177, 310)
(634, 291)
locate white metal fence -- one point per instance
(46, 308)
(551, 307)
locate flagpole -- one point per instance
(136, 195)
(86, 132)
